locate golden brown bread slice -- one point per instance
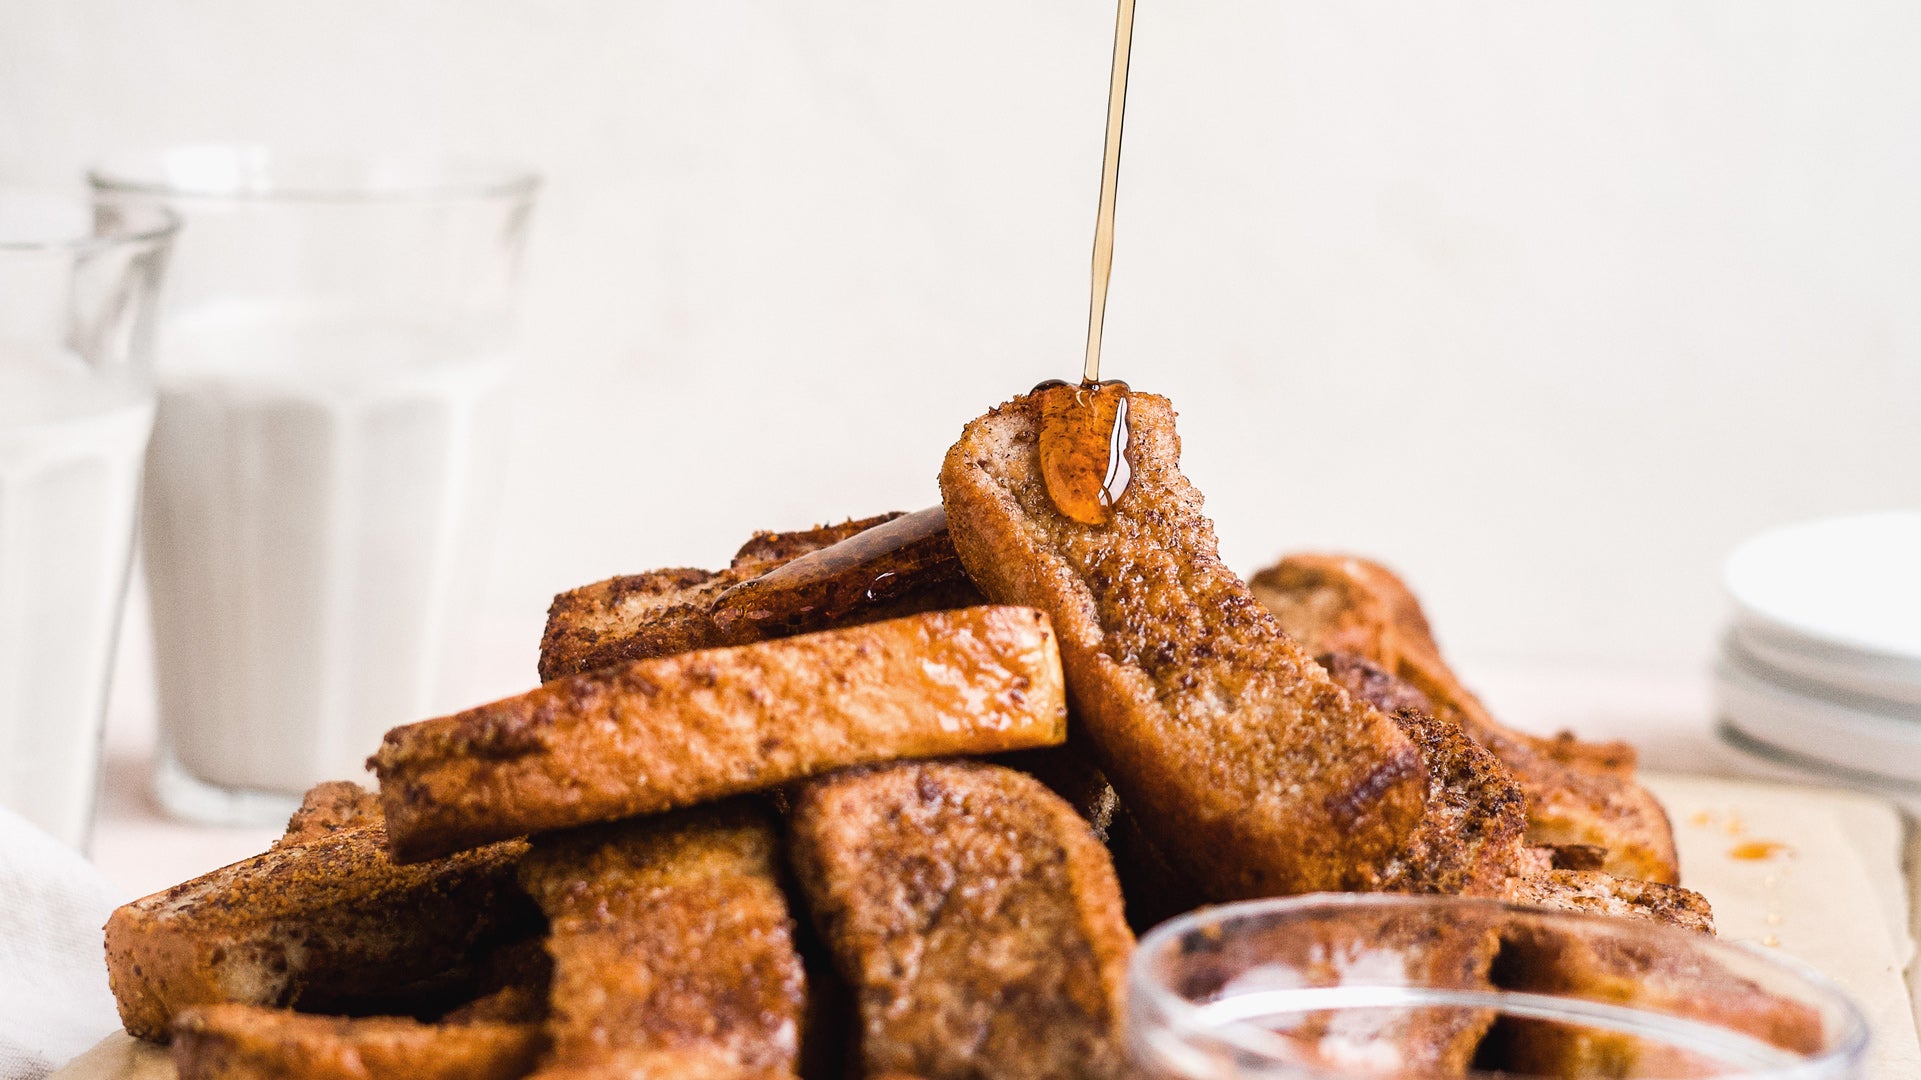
(1600, 893)
(1598, 963)
(779, 584)
(636, 616)
(322, 920)
(1431, 1042)
(1153, 891)
(902, 566)
(253, 1042)
(502, 977)
(1253, 771)
(1345, 603)
(673, 949)
(976, 916)
(1365, 947)
(632, 617)
(678, 730)
(1578, 793)
(328, 808)
(1476, 824)
(1473, 838)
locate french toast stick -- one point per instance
(975, 915)
(254, 1042)
(673, 949)
(902, 566)
(1578, 793)
(1391, 946)
(779, 584)
(1596, 964)
(677, 730)
(1476, 825)
(322, 920)
(1599, 893)
(1152, 890)
(1473, 838)
(1253, 770)
(637, 616)
(328, 808)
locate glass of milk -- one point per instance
(326, 454)
(78, 290)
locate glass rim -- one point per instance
(160, 225)
(1144, 987)
(253, 172)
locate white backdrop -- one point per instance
(1548, 304)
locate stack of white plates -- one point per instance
(1822, 663)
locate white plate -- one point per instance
(1852, 583)
(1891, 684)
(1861, 739)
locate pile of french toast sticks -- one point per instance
(891, 799)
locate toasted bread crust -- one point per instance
(251, 1042)
(1412, 947)
(1472, 839)
(662, 612)
(632, 617)
(636, 616)
(328, 808)
(1636, 972)
(976, 916)
(904, 565)
(314, 923)
(673, 948)
(1599, 893)
(678, 730)
(767, 549)
(1578, 793)
(1251, 769)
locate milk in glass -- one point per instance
(71, 441)
(317, 485)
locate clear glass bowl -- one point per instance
(1402, 987)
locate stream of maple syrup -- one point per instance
(1083, 450)
(1083, 430)
(1110, 186)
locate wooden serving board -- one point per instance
(1817, 874)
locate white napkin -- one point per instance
(54, 1001)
